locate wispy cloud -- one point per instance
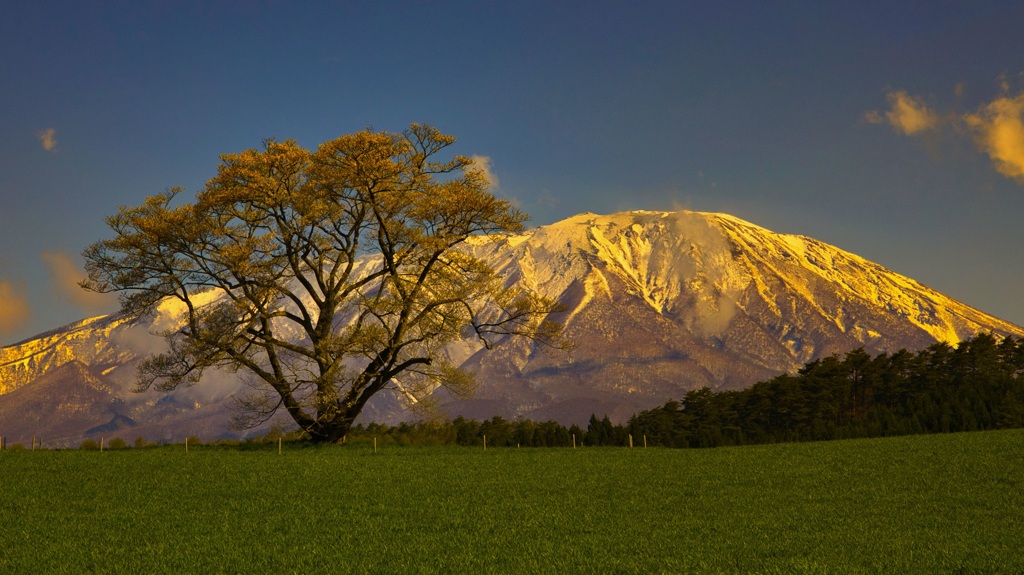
(998, 129)
(14, 308)
(65, 274)
(907, 115)
(48, 138)
(482, 164)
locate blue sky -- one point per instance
(892, 130)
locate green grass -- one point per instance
(924, 504)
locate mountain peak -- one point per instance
(725, 262)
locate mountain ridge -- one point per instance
(657, 302)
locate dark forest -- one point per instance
(977, 385)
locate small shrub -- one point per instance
(117, 443)
(89, 444)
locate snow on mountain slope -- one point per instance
(719, 265)
(663, 302)
(41, 378)
(657, 303)
(86, 341)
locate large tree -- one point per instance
(325, 276)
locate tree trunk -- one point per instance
(333, 431)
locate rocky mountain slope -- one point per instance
(657, 303)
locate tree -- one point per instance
(324, 275)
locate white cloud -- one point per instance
(64, 277)
(14, 308)
(998, 129)
(910, 115)
(48, 137)
(482, 164)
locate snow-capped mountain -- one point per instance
(78, 380)
(657, 303)
(660, 303)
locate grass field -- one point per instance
(924, 504)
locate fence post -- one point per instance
(485, 443)
(631, 441)
(574, 441)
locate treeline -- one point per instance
(497, 432)
(975, 386)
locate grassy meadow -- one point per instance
(919, 504)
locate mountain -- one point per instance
(63, 402)
(660, 303)
(657, 303)
(92, 364)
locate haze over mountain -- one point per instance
(657, 303)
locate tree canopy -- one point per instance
(978, 385)
(326, 276)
